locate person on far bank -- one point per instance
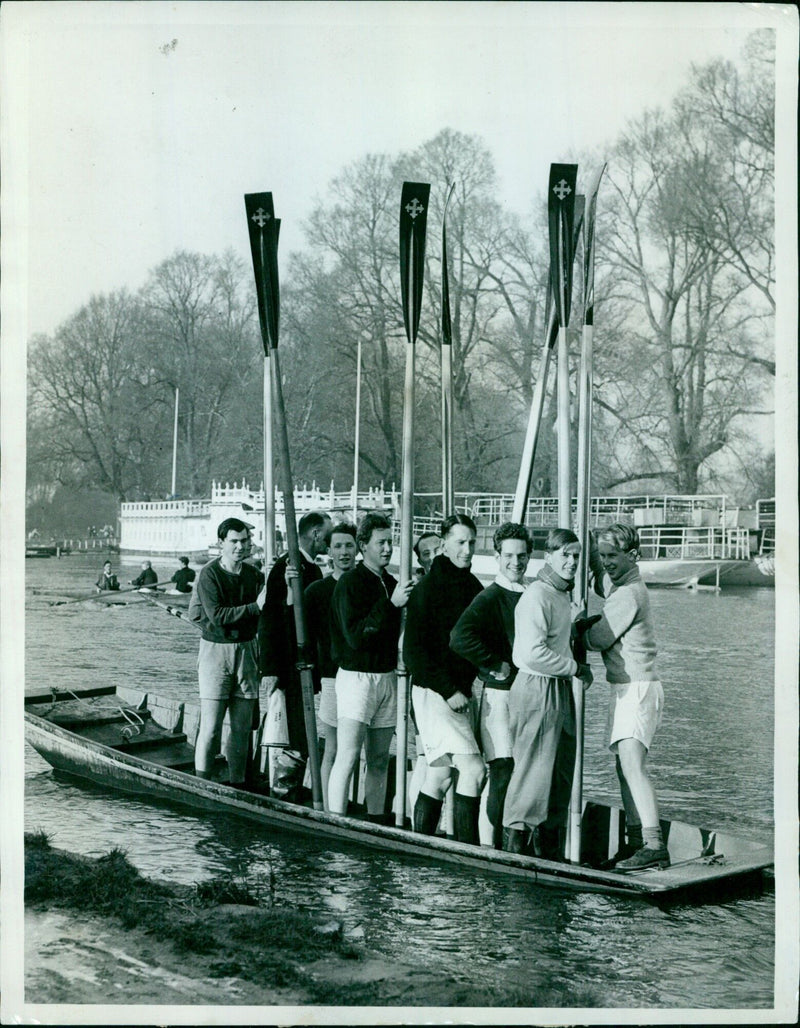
(184, 577)
(441, 692)
(365, 631)
(318, 596)
(625, 637)
(146, 577)
(276, 631)
(541, 708)
(226, 603)
(108, 581)
(484, 635)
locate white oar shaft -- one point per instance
(448, 496)
(522, 491)
(564, 470)
(269, 479)
(406, 542)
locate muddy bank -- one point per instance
(96, 931)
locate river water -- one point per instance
(712, 763)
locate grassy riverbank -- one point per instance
(141, 941)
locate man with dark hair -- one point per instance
(184, 576)
(226, 604)
(442, 686)
(365, 630)
(276, 633)
(484, 635)
(426, 548)
(318, 599)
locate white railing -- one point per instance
(682, 543)
(307, 497)
(542, 511)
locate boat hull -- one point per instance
(702, 861)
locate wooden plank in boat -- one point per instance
(62, 695)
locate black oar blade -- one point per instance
(561, 218)
(413, 223)
(447, 326)
(588, 249)
(262, 228)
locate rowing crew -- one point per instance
(521, 643)
(183, 579)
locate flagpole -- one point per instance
(413, 220)
(263, 228)
(585, 395)
(175, 448)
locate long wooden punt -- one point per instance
(127, 740)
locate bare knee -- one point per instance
(471, 774)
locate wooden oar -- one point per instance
(448, 494)
(263, 229)
(561, 216)
(106, 594)
(413, 222)
(585, 383)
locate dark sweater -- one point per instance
(277, 640)
(484, 634)
(318, 598)
(365, 624)
(224, 605)
(435, 605)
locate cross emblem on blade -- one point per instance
(261, 217)
(414, 208)
(562, 189)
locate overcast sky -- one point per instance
(142, 125)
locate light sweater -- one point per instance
(624, 634)
(542, 623)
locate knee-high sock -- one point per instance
(500, 771)
(427, 812)
(465, 818)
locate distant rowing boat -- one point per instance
(127, 740)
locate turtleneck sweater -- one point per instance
(435, 604)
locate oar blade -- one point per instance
(263, 228)
(561, 219)
(413, 223)
(447, 326)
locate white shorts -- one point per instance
(634, 712)
(326, 712)
(443, 730)
(367, 696)
(494, 733)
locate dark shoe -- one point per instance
(626, 850)
(645, 857)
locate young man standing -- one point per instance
(276, 631)
(540, 705)
(318, 597)
(484, 635)
(625, 636)
(365, 630)
(442, 683)
(226, 604)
